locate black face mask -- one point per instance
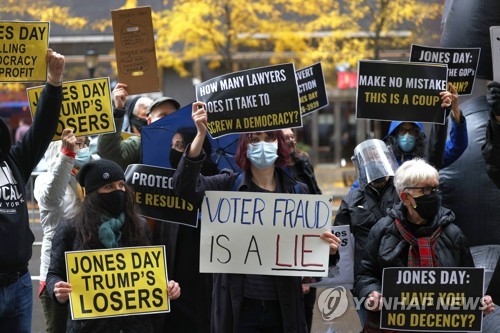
(113, 202)
(428, 205)
(174, 158)
(138, 122)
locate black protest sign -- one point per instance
(23, 51)
(400, 91)
(155, 196)
(86, 107)
(462, 63)
(432, 299)
(312, 89)
(259, 99)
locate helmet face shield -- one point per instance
(373, 160)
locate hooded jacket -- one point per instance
(17, 162)
(386, 247)
(58, 196)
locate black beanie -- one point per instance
(98, 173)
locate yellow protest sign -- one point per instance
(86, 107)
(23, 51)
(117, 282)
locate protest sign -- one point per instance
(400, 91)
(462, 63)
(117, 282)
(495, 51)
(155, 195)
(432, 299)
(312, 89)
(342, 274)
(86, 107)
(264, 233)
(23, 51)
(258, 99)
(135, 49)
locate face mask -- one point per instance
(406, 142)
(262, 154)
(82, 157)
(428, 205)
(138, 122)
(174, 157)
(113, 202)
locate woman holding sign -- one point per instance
(241, 300)
(108, 219)
(417, 232)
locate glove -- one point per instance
(493, 97)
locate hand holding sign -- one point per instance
(332, 240)
(200, 120)
(174, 290)
(55, 63)
(450, 98)
(61, 291)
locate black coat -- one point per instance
(386, 247)
(228, 288)
(64, 240)
(361, 209)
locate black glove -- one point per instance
(493, 97)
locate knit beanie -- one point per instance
(98, 173)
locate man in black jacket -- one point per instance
(16, 164)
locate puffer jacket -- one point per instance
(65, 240)
(386, 247)
(361, 209)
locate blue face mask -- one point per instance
(406, 142)
(262, 154)
(82, 157)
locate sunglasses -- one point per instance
(425, 189)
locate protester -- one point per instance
(300, 168)
(408, 140)
(21, 129)
(108, 219)
(17, 162)
(403, 238)
(491, 154)
(240, 299)
(111, 146)
(135, 117)
(191, 313)
(59, 198)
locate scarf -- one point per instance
(110, 230)
(422, 250)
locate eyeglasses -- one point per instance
(255, 138)
(414, 130)
(82, 144)
(426, 190)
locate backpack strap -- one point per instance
(237, 182)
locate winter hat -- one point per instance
(98, 173)
(161, 100)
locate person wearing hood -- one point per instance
(135, 117)
(16, 164)
(408, 140)
(59, 198)
(108, 218)
(112, 146)
(417, 232)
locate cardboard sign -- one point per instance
(462, 63)
(495, 51)
(23, 51)
(432, 299)
(86, 107)
(254, 100)
(117, 282)
(400, 91)
(155, 195)
(312, 89)
(342, 274)
(135, 49)
(264, 233)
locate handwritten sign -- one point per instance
(23, 51)
(432, 299)
(117, 282)
(264, 233)
(86, 107)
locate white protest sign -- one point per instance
(264, 233)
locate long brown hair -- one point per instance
(88, 220)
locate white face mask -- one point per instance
(262, 154)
